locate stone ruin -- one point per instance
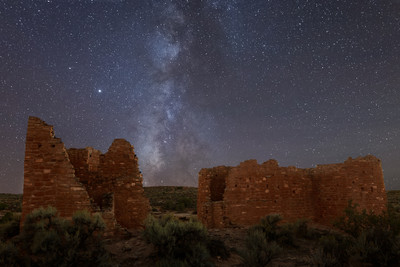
(241, 195)
(111, 184)
(82, 179)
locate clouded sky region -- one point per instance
(195, 84)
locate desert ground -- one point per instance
(130, 248)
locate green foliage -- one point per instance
(7, 217)
(172, 198)
(11, 202)
(49, 240)
(269, 225)
(9, 226)
(259, 251)
(333, 250)
(301, 229)
(10, 256)
(354, 221)
(283, 234)
(179, 242)
(262, 241)
(376, 238)
(180, 204)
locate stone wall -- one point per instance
(77, 179)
(241, 195)
(116, 171)
(48, 174)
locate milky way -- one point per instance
(195, 84)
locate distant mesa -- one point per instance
(241, 195)
(77, 179)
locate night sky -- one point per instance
(195, 84)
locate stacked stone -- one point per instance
(120, 166)
(49, 178)
(210, 196)
(116, 172)
(78, 179)
(360, 180)
(86, 162)
(242, 195)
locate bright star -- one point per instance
(99, 90)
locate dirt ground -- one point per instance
(133, 250)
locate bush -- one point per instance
(378, 246)
(333, 250)
(3, 206)
(301, 229)
(10, 256)
(179, 204)
(49, 240)
(282, 234)
(269, 225)
(182, 243)
(259, 251)
(376, 238)
(7, 217)
(9, 226)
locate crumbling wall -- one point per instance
(254, 190)
(49, 178)
(76, 179)
(210, 194)
(116, 171)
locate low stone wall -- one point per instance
(241, 195)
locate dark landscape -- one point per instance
(174, 133)
(131, 248)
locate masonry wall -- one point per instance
(254, 190)
(76, 179)
(49, 178)
(116, 171)
(358, 179)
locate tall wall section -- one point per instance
(251, 191)
(77, 179)
(49, 178)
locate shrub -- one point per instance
(301, 229)
(378, 246)
(355, 221)
(376, 238)
(7, 217)
(269, 225)
(178, 242)
(52, 241)
(333, 250)
(9, 226)
(259, 251)
(282, 234)
(3, 206)
(10, 256)
(179, 204)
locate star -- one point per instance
(303, 82)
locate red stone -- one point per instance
(241, 195)
(77, 179)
